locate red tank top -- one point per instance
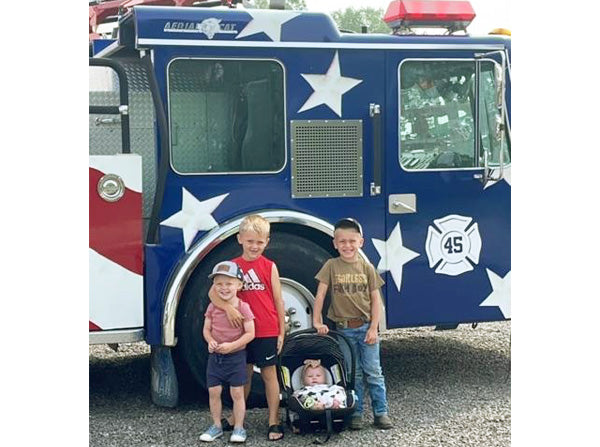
(258, 293)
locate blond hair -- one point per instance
(257, 224)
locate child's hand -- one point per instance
(212, 346)
(371, 336)
(236, 319)
(225, 348)
(321, 328)
(279, 344)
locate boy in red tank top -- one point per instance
(262, 291)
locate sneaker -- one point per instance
(383, 422)
(356, 423)
(212, 433)
(238, 435)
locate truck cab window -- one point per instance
(226, 116)
(437, 109)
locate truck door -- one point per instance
(115, 184)
(447, 246)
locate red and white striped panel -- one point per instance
(116, 249)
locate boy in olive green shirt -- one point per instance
(356, 309)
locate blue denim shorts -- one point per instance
(226, 369)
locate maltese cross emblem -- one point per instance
(453, 245)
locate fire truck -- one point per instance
(200, 116)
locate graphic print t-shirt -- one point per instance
(350, 285)
(258, 292)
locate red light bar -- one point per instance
(434, 13)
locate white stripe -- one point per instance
(356, 46)
(126, 166)
(253, 275)
(116, 294)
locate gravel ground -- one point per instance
(445, 388)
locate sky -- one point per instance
(489, 14)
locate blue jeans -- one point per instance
(367, 365)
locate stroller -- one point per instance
(307, 344)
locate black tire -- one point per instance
(296, 258)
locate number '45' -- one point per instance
(454, 244)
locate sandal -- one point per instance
(275, 428)
(226, 425)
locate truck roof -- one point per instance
(182, 26)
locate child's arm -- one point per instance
(206, 331)
(371, 336)
(318, 309)
(247, 337)
(279, 305)
(233, 315)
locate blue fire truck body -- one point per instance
(279, 113)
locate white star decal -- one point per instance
(495, 173)
(500, 295)
(393, 255)
(328, 88)
(268, 22)
(194, 216)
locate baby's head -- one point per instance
(313, 373)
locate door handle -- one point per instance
(402, 203)
(397, 204)
(375, 114)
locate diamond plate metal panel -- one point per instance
(103, 86)
(105, 130)
(327, 158)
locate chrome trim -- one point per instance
(507, 121)
(116, 336)
(211, 240)
(168, 105)
(326, 45)
(288, 286)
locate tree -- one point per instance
(351, 19)
(299, 5)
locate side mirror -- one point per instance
(499, 120)
(498, 128)
(499, 82)
(486, 169)
(277, 4)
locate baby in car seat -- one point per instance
(316, 393)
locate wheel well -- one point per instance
(298, 253)
(318, 237)
(313, 235)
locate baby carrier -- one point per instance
(329, 350)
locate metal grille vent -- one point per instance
(327, 158)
